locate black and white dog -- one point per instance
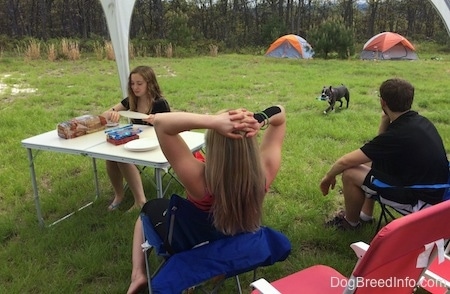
(331, 95)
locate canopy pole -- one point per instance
(118, 18)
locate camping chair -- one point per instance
(193, 252)
(393, 263)
(436, 278)
(385, 212)
(200, 155)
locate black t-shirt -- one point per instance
(159, 105)
(412, 151)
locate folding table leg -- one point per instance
(158, 181)
(97, 194)
(37, 201)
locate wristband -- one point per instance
(260, 117)
(271, 111)
(266, 114)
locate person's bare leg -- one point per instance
(368, 206)
(131, 174)
(116, 179)
(354, 196)
(138, 272)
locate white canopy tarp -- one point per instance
(118, 18)
(443, 7)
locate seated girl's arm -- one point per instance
(272, 141)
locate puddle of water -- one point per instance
(15, 88)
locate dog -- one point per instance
(334, 94)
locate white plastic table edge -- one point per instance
(97, 139)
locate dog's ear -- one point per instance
(330, 88)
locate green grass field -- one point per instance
(91, 251)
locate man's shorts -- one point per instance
(402, 200)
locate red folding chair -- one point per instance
(436, 279)
(394, 262)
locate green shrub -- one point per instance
(332, 39)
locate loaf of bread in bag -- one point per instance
(81, 125)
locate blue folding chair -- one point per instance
(385, 212)
(192, 251)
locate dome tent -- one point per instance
(290, 46)
(388, 45)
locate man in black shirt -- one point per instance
(407, 151)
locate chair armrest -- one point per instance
(435, 277)
(359, 248)
(264, 287)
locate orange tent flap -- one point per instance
(385, 41)
(291, 39)
(408, 44)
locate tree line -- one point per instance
(230, 24)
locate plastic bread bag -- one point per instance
(81, 125)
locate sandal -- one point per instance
(113, 206)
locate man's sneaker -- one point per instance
(367, 222)
(339, 222)
(363, 222)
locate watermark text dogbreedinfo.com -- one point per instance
(360, 282)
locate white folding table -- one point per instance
(95, 146)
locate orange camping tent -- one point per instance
(290, 46)
(388, 45)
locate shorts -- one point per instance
(402, 200)
(156, 210)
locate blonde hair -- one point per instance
(153, 89)
(235, 178)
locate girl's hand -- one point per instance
(113, 116)
(229, 125)
(234, 124)
(150, 119)
(245, 122)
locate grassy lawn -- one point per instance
(91, 251)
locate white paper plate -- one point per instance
(111, 124)
(144, 144)
(133, 114)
